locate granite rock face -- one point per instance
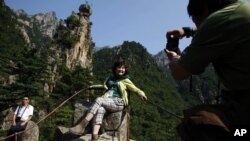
(32, 133)
(6, 119)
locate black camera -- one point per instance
(172, 43)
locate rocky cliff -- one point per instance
(40, 29)
(40, 64)
(81, 51)
(72, 42)
(48, 23)
(37, 29)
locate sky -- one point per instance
(115, 21)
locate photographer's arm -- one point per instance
(180, 33)
(189, 31)
(178, 72)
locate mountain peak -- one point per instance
(48, 22)
(161, 59)
(21, 12)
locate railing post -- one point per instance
(15, 136)
(128, 117)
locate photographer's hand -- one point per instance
(177, 71)
(180, 33)
(173, 55)
(176, 33)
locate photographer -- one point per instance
(222, 38)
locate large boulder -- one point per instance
(102, 137)
(115, 126)
(85, 10)
(80, 111)
(62, 134)
(6, 119)
(32, 132)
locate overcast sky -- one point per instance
(114, 21)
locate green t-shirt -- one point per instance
(112, 84)
(224, 40)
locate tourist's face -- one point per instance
(120, 70)
(25, 100)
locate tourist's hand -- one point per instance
(23, 123)
(144, 98)
(14, 124)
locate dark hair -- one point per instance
(26, 96)
(120, 62)
(196, 7)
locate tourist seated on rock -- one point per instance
(22, 116)
(114, 99)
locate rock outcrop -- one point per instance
(32, 132)
(48, 23)
(6, 118)
(80, 53)
(114, 126)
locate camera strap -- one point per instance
(19, 108)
